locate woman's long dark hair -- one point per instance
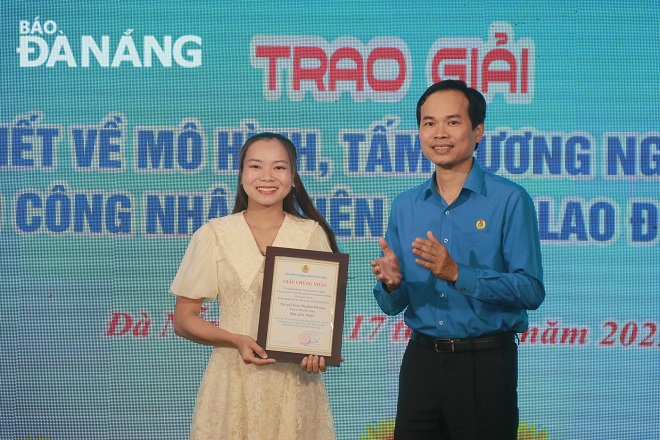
(297, 202)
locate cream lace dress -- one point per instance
(238, 401)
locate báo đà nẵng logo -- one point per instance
(43, 44)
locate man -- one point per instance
(462, 256)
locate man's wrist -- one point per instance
(454, 278)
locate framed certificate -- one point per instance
(302, 304)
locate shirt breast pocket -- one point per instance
(478, 247)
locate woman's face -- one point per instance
(266, 176)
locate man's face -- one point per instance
(445, 131)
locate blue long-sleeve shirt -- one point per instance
(491, 231)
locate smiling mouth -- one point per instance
(442, 147)
(267, 188)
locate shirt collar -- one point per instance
(474, 182)
(476, 178)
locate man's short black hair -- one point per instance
(476, 106)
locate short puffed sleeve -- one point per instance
(197, 276)
(319, 240)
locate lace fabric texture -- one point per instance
(238, 401)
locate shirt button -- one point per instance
(442, 323)
(446, 240)
(442, 295)
(446, 212)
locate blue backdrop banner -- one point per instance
(120, 126)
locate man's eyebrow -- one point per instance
(455, 115)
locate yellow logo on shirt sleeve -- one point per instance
(481, 225)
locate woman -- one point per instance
(245, 394)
